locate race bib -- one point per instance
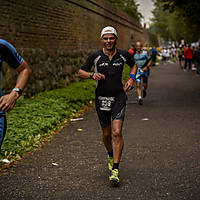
(106, 103)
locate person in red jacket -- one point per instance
(188, 55)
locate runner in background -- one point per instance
(188, 55)
(194, 57)
(180, 55)
(9, 55)
(164, 54)
(198, 61)
(153, 54)
(173, 54)
(168, 54)
(143, 61)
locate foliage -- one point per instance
(126, 73)
(160, 21)
(128, 6)
(177, 19)
(33, 119)
(153, 39)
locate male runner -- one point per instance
(7, 102)
(180, 54)
(153, 53)
(188, 55)
(143, 61)
(198, 61)
(110, 93)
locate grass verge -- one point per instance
(35, 119)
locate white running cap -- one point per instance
(107, 30)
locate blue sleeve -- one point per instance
(9, 54)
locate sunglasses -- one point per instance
(108, 38)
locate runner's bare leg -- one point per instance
(145, 85)
(107, 138)
(139, 91)
(118, 142)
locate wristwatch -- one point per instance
(91, 75)
(19, 91)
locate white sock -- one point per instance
(139, 97)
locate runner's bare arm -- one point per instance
(133, 69)
(148, 65)
(130, 83)
(7, 102)
(24, 75)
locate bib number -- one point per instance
(106, 103)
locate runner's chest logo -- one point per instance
(103, 64)
(117, 64)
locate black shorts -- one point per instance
(180, 58)
(110, 108)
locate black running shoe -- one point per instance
(140, 101)
(144, 93)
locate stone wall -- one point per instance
(55, 37)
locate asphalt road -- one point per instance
(161, 157)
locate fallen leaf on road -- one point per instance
(79, 129)
(5, 161)
(145, 119)
(55, 164)
(77, 119)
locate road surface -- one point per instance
(160, 161)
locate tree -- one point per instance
(160, 21)
(182, 19)
(128, 6)
(152, 38)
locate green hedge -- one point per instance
(35, 120)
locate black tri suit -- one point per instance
(110, 98)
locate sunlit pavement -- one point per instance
(161, 157)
